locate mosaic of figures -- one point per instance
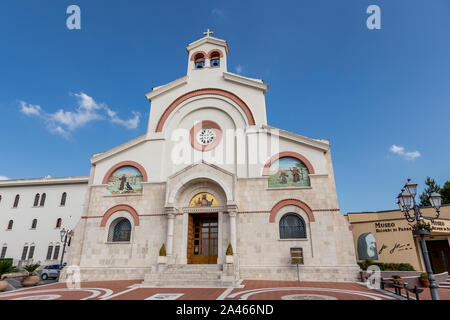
(203, 199)
(125, 180)
(288, 172)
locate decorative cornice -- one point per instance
(166, 87)
(254, 83)
(44, 181)
(101, 156)
(321, 144)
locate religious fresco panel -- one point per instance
(203, 199)
(125, 180)
(288, 172)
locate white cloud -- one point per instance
(399, 150)
(29, 109)
(239, 69)
(218, 12)
(64, 122)
(4, 178)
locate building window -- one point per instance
(16, 201)
(120, 230)
(10, 224)
(31, 253)
(0, 198)
(3, 254)
(215, 59)
(199, 61)
(292, 227)
(24, 252)
(36, 200)
(34, 224)
(49, 252)
(58, 223)
(63, 199)
(42, 200)
(56, 253)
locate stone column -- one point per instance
(220, 253)
(232, 214)
(170, 227)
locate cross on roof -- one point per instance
(208, 32)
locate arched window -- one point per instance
(31, 252)
(49, 251)
(56, 253)
(10, 224)
(16, 201)
(63, 199)
(36, 200)
(43, 200)
(3, 254)
(25, 251)
(120, 230)
(34, 224)
(199, 61)
(58, 223)
(215, 59)
(292, 227)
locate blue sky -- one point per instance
(329, 77)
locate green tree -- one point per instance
(432, 186)
(445, 193)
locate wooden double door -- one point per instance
(439, 252)
(203, 239)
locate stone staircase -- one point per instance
(191, 275)
(445, 284)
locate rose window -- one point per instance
(206, 136)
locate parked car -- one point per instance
(51, 271)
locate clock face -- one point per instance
(206, 136)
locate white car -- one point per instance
(51, 271)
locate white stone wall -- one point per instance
(45, 232)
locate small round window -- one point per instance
(206, 136)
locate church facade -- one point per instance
(210, 173)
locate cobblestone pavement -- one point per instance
(249, 290)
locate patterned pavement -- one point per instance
(250, 290)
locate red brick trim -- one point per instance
(195, 93)
(120, 207)
(296, 155)
(291, 202)
(123, 164)
(215, 50)
(197, 52)
(205, 124)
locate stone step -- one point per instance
(196, 267)
(185, 276)
(188, 283)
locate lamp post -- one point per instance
(404, 202)
(65, 237)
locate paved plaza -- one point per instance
(248, 290)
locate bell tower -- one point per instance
(207, 54)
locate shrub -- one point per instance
(229, 250)
(162, 251)
(386, 266)
(6, 267)
(424, 276)
(31, 268)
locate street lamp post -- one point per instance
(404, 202)
(65, 237)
